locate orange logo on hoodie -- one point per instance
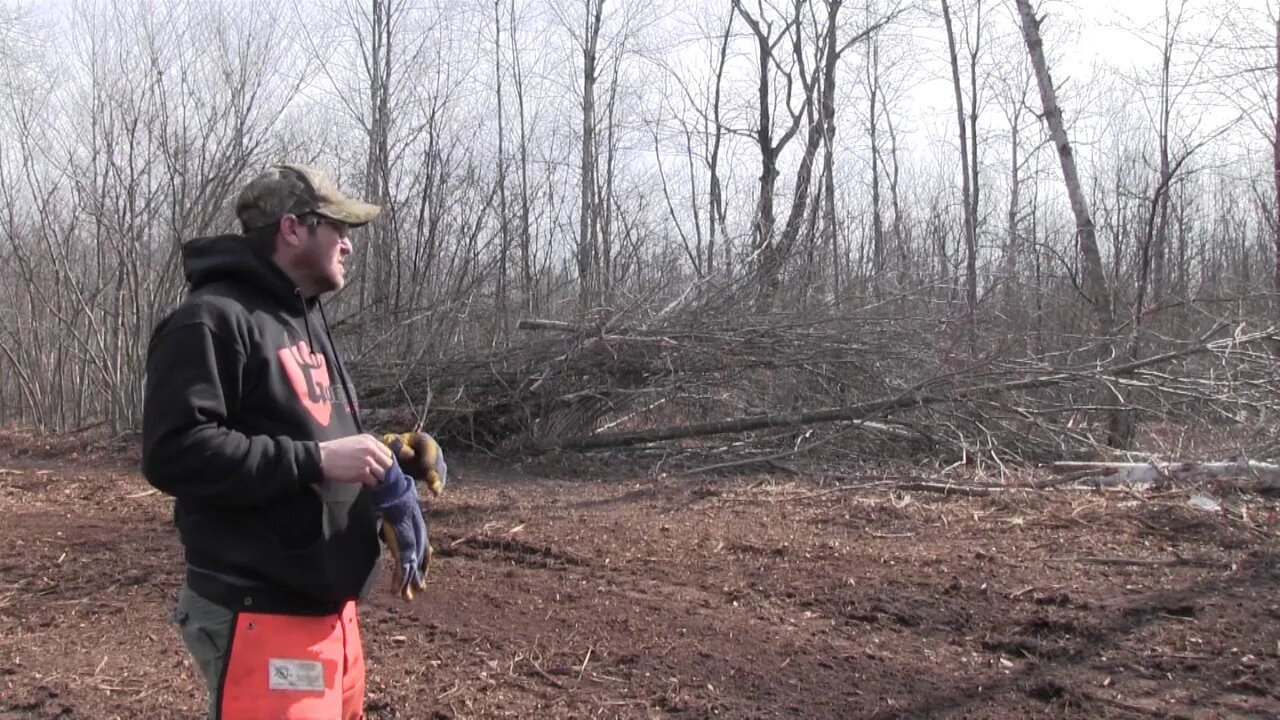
(308, 373)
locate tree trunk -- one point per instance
(526, 221)
(587, 218)
(895, 229)
(716, 218)
(971, 222)
(504, 228)
(1095, 280)
(767, 261)
(380, 273)
(605, 197)
(1275, 166)
(873, 96)
(770, 256)
(970, 242)
(1010, 269)
(829, 237)
(782, 249)
(1151, 282)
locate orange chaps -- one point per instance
(291, 667)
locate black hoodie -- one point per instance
(240, 391)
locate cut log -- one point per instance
(1241, 475)
(554, 325)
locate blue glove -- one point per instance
(404, 530)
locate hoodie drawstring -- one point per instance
(342, 370)
(306, 319)
(337, 359)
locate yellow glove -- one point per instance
(421, 458)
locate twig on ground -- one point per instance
(1129, 706)
(1143, 562)
(947, 489)
(889, 536)
(544, 675)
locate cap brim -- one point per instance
(352, 212)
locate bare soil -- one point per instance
(641, 597)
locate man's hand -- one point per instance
(421, 458)
(355, 459)
(404, 530)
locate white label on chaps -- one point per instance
(295, 674)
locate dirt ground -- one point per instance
(690, 598)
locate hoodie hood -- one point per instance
(232, 257)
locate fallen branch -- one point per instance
(882, 407)
(946, 489)
(908, 486)
(798, 449)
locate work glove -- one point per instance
(421, 458)
(404, 530)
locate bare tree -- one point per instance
(588, 216)
(1014, 89)
(1095, 284)
(145, 145)
(1096, 288)
(716, 213)
(504, 230)
(1247, 75)
(873, 126)
(768, 255)
(967, 191)
(529, 290)
(509, 186)
(1170, 129)
(817, 109)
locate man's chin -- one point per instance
(336, 282)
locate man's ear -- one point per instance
(291, 232)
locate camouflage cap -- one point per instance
(297, 190)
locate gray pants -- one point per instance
(205, 628)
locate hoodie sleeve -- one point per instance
(193, 376)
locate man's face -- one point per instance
(319, 254)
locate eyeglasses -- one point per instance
(314, 220)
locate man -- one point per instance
(250, 423)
